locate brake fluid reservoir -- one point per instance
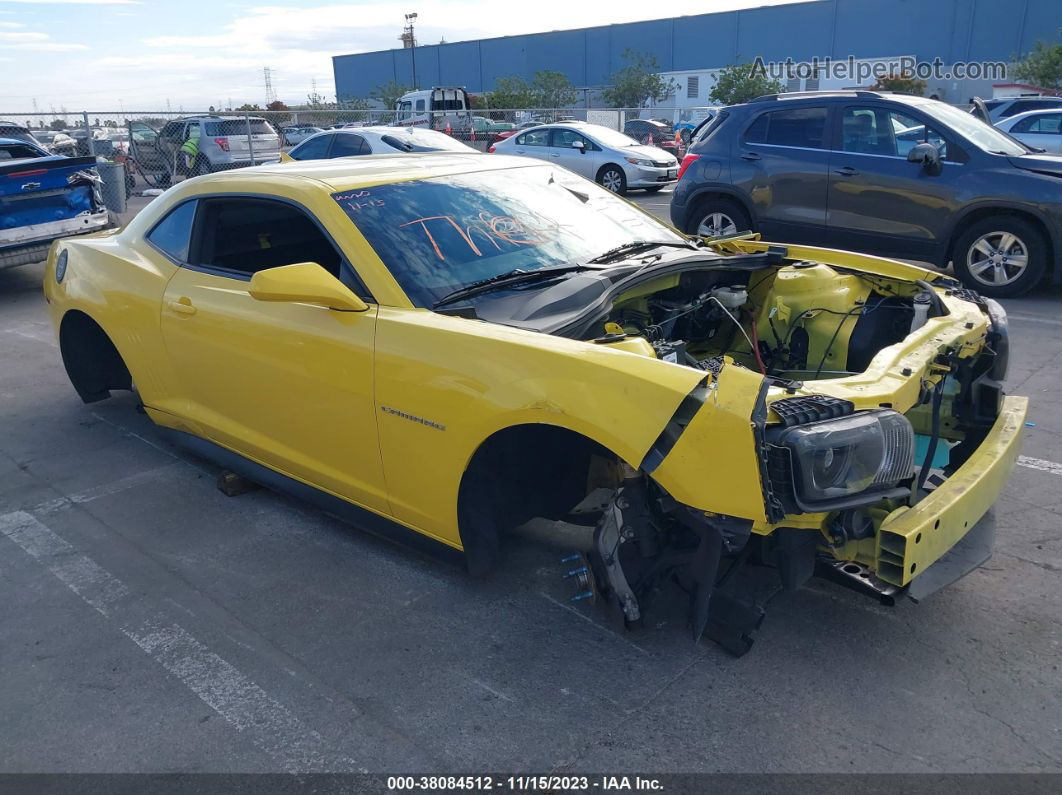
(731, 297)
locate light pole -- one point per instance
(410, 19)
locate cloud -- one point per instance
(32, 41)
(74, 2)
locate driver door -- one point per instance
(289, 385)
(878, 201)
(562, 150)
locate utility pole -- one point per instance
(409, 39)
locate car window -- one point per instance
(565, 138)
(173, 233)
(1045, 123)
(346, 145)
(420, 104)
(534, 138)
(312, 148)
(17, 151)
(804, 127)
(1023, 105)
(237, 127)
(242, 236)
(878, 131)
(440, 234)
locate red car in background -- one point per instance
(651, 133)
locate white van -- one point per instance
(435, 108)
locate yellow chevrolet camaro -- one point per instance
(464, 347)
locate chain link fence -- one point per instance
(159, 148)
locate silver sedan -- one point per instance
(610, 158)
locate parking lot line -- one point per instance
(1039, 463)
(219, 684)
(1033, 319)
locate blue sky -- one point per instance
(102, 55)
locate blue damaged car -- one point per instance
(44, 197)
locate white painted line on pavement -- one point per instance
(241, 702)
(107, 489)
(1039, 463)
(1033, 319)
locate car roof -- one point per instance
(836, 96)
(356, 172)
(20, 141)
(1053, 111)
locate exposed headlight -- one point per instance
(638, 162)
(834, 462)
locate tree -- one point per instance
(57, 124)
(276, 104)
(898, 84)
(552, 89)
(510, 93)
(739, 83)
(388, 93)
(1042, 67)
(248, 106)
(638, 82)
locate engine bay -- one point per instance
(802, 321)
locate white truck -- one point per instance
(437, 108)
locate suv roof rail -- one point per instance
(806, 94)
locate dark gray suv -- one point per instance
(886, 174)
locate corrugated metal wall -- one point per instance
(954, 30)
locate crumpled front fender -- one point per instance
(713, 462)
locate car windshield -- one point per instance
(442, 234)
(607, 137)
(983, 135)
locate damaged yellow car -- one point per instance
(463, 346)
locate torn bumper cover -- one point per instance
(947, 534)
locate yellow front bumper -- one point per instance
(912, 539)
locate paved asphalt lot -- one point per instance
(152, 624)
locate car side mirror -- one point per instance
(928, 155)
(580, 145)
(304, 283)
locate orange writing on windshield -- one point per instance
(492, 228)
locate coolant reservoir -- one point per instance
(921, 302)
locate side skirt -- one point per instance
(345, 511)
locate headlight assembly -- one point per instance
(843, 462)
(639, 162)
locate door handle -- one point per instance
(554, 155)
(749, 156)
(847, 171)
(182, 306)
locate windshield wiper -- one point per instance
(506, 279)
(638, 245)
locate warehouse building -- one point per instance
(694, 46)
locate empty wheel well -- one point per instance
(92, 363)
(992, 212)
(520, 473)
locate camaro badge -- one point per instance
(413, 418)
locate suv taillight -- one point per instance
(686, 164)
(223, 143)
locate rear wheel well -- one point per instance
(519, 473)
(993, 212)
(92, 362)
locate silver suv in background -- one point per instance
(200, 144)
